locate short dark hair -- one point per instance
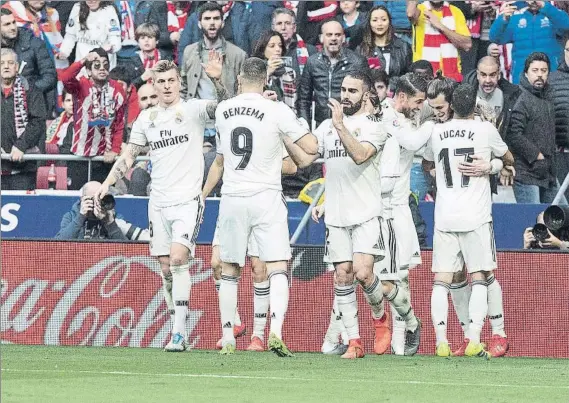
(263, 41)
(101, 52)
(5, 11)
(121, 73)
(422, 65)
(209, 6)
(464, 100)
(537, 57)
(410, 84)
(379, 76)
(254, 70)
(441, 85)
(364, 77)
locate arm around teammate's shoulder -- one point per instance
(214, 175)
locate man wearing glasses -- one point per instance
(559, 81)
(99, 116)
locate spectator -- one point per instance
(92, 24)
(398, 11)
(531, 137)
(147, 36)
(381, 47)
(195, 83)
(234, 27)
(99, 116)
(556, 240)
(494, 92)
(58, 129)
(38, 68)
(380, 83)
(147, 96)
(178, 12)
(123, 76)
(23, 124)
(440, 32)
(258, 16)
(281, 78)
(325, 71)
(424, 69)
(126, 12)
(64, 10)
(532, 29)
(351, 18)
(310, 16)
(559, 81)
(284, 22)
(87, 220)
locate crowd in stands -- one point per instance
(75, 75)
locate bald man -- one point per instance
(325, 71)
(87, 220)
(147, 96)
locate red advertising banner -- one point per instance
(95, 294)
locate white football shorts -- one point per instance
(476, 249)
(264, 217)
(387, 269)
(342, 242)
(252, 248)
(174, 224)
(406, 235)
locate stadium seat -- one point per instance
(60, 178)
(51, 149)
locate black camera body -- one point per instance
(556, 220)
(92, 224)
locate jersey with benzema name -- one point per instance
(411, 139)
(463, 203)
(175, 138)
(250, 130)
(353, 192)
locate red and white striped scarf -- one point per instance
(149, 62)
(328, 10)
(177, 17)
(226, 9)
(301, 53)
(57, 130)
(127, 24)
(20, 106)
(437, 49)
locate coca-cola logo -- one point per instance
(116, 302)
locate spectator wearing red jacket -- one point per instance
(98, 116)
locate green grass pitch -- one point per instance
(88, 374)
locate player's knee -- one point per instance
(459, 276)
(444, 278)
(259, 270)
(387, 287)
(230, 269)
(343, 273)
(364, 276)
(480, 276)
(178, 260)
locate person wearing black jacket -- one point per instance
(324, 73)
(23, 124)
(531, 135)
(38, 67)
(559, 82)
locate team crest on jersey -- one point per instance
(357, 133)
(179, 117)
(395, 123)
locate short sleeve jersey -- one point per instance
(463, 203)
(250, 128)
(353, 192)
(175, 137)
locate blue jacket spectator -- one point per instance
(234, 30)
(398, 11)
(531, 29)
(73, 226)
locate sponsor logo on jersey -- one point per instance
(168, 140)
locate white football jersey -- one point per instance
(463, 203)
(390, 175)
(411, 139)
(175, 137)
(250, 129)
(353, 192)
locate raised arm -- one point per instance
(213, 69)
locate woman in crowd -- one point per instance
(92, 24)
(281, 75)
(381, 47)
(57, 130)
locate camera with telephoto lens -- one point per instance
(556, 220)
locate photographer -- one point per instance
(90, 220)
(543, 235)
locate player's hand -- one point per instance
(317, 213)
(103, 190)
(337, 113)
(109, 157)
(494, 50)
(507, 175)
(271, 95)
(87, 205)
(17, 154)
(478, 167)
(98, 211)
(214, 65)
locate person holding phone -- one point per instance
(281, 76)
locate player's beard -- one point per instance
(353, 108)
(408, 113)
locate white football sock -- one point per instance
(495, 306)
(167, 290)
(478, 309)
(237, 316)
(217, 285)
(398, 332)
(227, 307)
(181, 295)
(460, 294)
(348, 308)
(399, 299)
(278, 301)
(439, 310)
(260, 308)
(374, 297)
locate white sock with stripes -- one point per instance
(439, 310)
(495, 306)
(460, 294)
(181, 285)
(478, 309)
(348, 307)
(260, 307)
(227, 307)
(278, 297)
